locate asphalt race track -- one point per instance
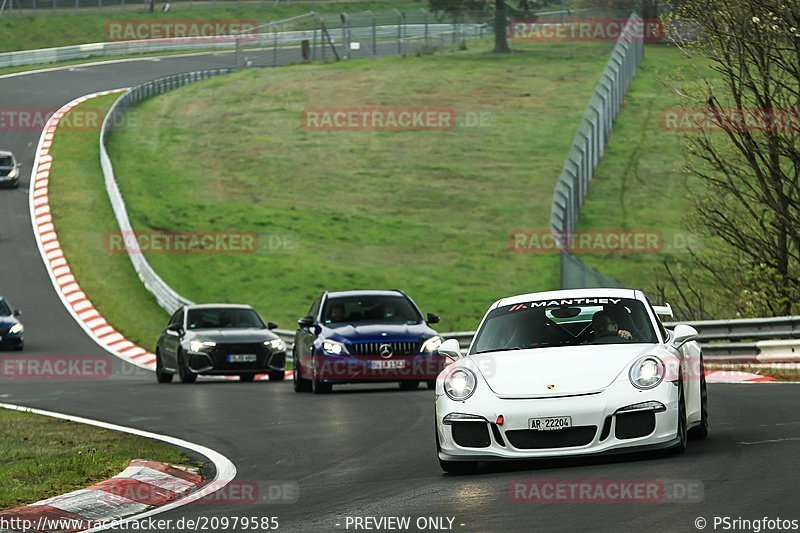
(365, 450)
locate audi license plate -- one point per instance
(383, 365)
(550, 423)
(242, 358)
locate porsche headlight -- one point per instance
(460, 384)
(276, 345)
(16, 328)
(431, 344)
(198, 345)
(333, 347)
(647, 372)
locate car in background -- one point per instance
(11, 329)
(9, 170)
(568, 373)
(219, 339)
(364, 336)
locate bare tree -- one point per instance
(746, 154)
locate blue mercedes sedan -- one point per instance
(365, 337)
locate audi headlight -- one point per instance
(198, 345)
(16, 328)
(647, 372)
(431, 344)
(460, 384)
(276, 345)
(333, 347)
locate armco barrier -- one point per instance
(587, 147)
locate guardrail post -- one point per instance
(374, 34)
(274, 45)
(399, 32)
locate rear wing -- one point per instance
(663, 310)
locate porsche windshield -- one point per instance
(565, 322)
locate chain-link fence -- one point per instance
(587, 147)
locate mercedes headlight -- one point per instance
(647, 372)
(460, 384)
(333, 347)
(431, 344)
(276, 345)
(198, 345)
(16, 328)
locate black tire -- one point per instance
(247, 378)
(161, 375)
(409, 385)
(184, 373)
(682, 433)
(320, 387)
(19, 347)
(431, 383)
(299, 384)
(700, 431)
(277, 375)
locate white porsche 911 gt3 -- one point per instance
(567, 373)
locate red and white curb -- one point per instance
(735, 376)
(67, 287)
(142, 486)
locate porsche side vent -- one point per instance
(606, 429)
(497, 436)
(471, 434)
(635, 424)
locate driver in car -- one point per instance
(606, 329)
(337, 313)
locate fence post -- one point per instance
(345, 18)
(314, 37)
(425, 23)
(274, 45)
(399, 32)
(374, 34)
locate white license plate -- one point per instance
(551, 423)
(381, 365)
(242, 358)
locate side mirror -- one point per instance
(450, 348)
(271, 325)
(19, 165)
(683, 334)
(175, 329)
(17, 312)
(433, 318)
(306, 322)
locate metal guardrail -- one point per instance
(587, 147)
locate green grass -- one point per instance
(45, 457)
(64, 27)
(640, 184)
(426, 211)
(83, 217)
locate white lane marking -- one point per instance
(770, 441)
(225, 469)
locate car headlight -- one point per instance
(16, 328)
(647, 372)
(198, 345)
(276, 345)
(14, 173)
(431, 344)
(333, 347)
(460, 384)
